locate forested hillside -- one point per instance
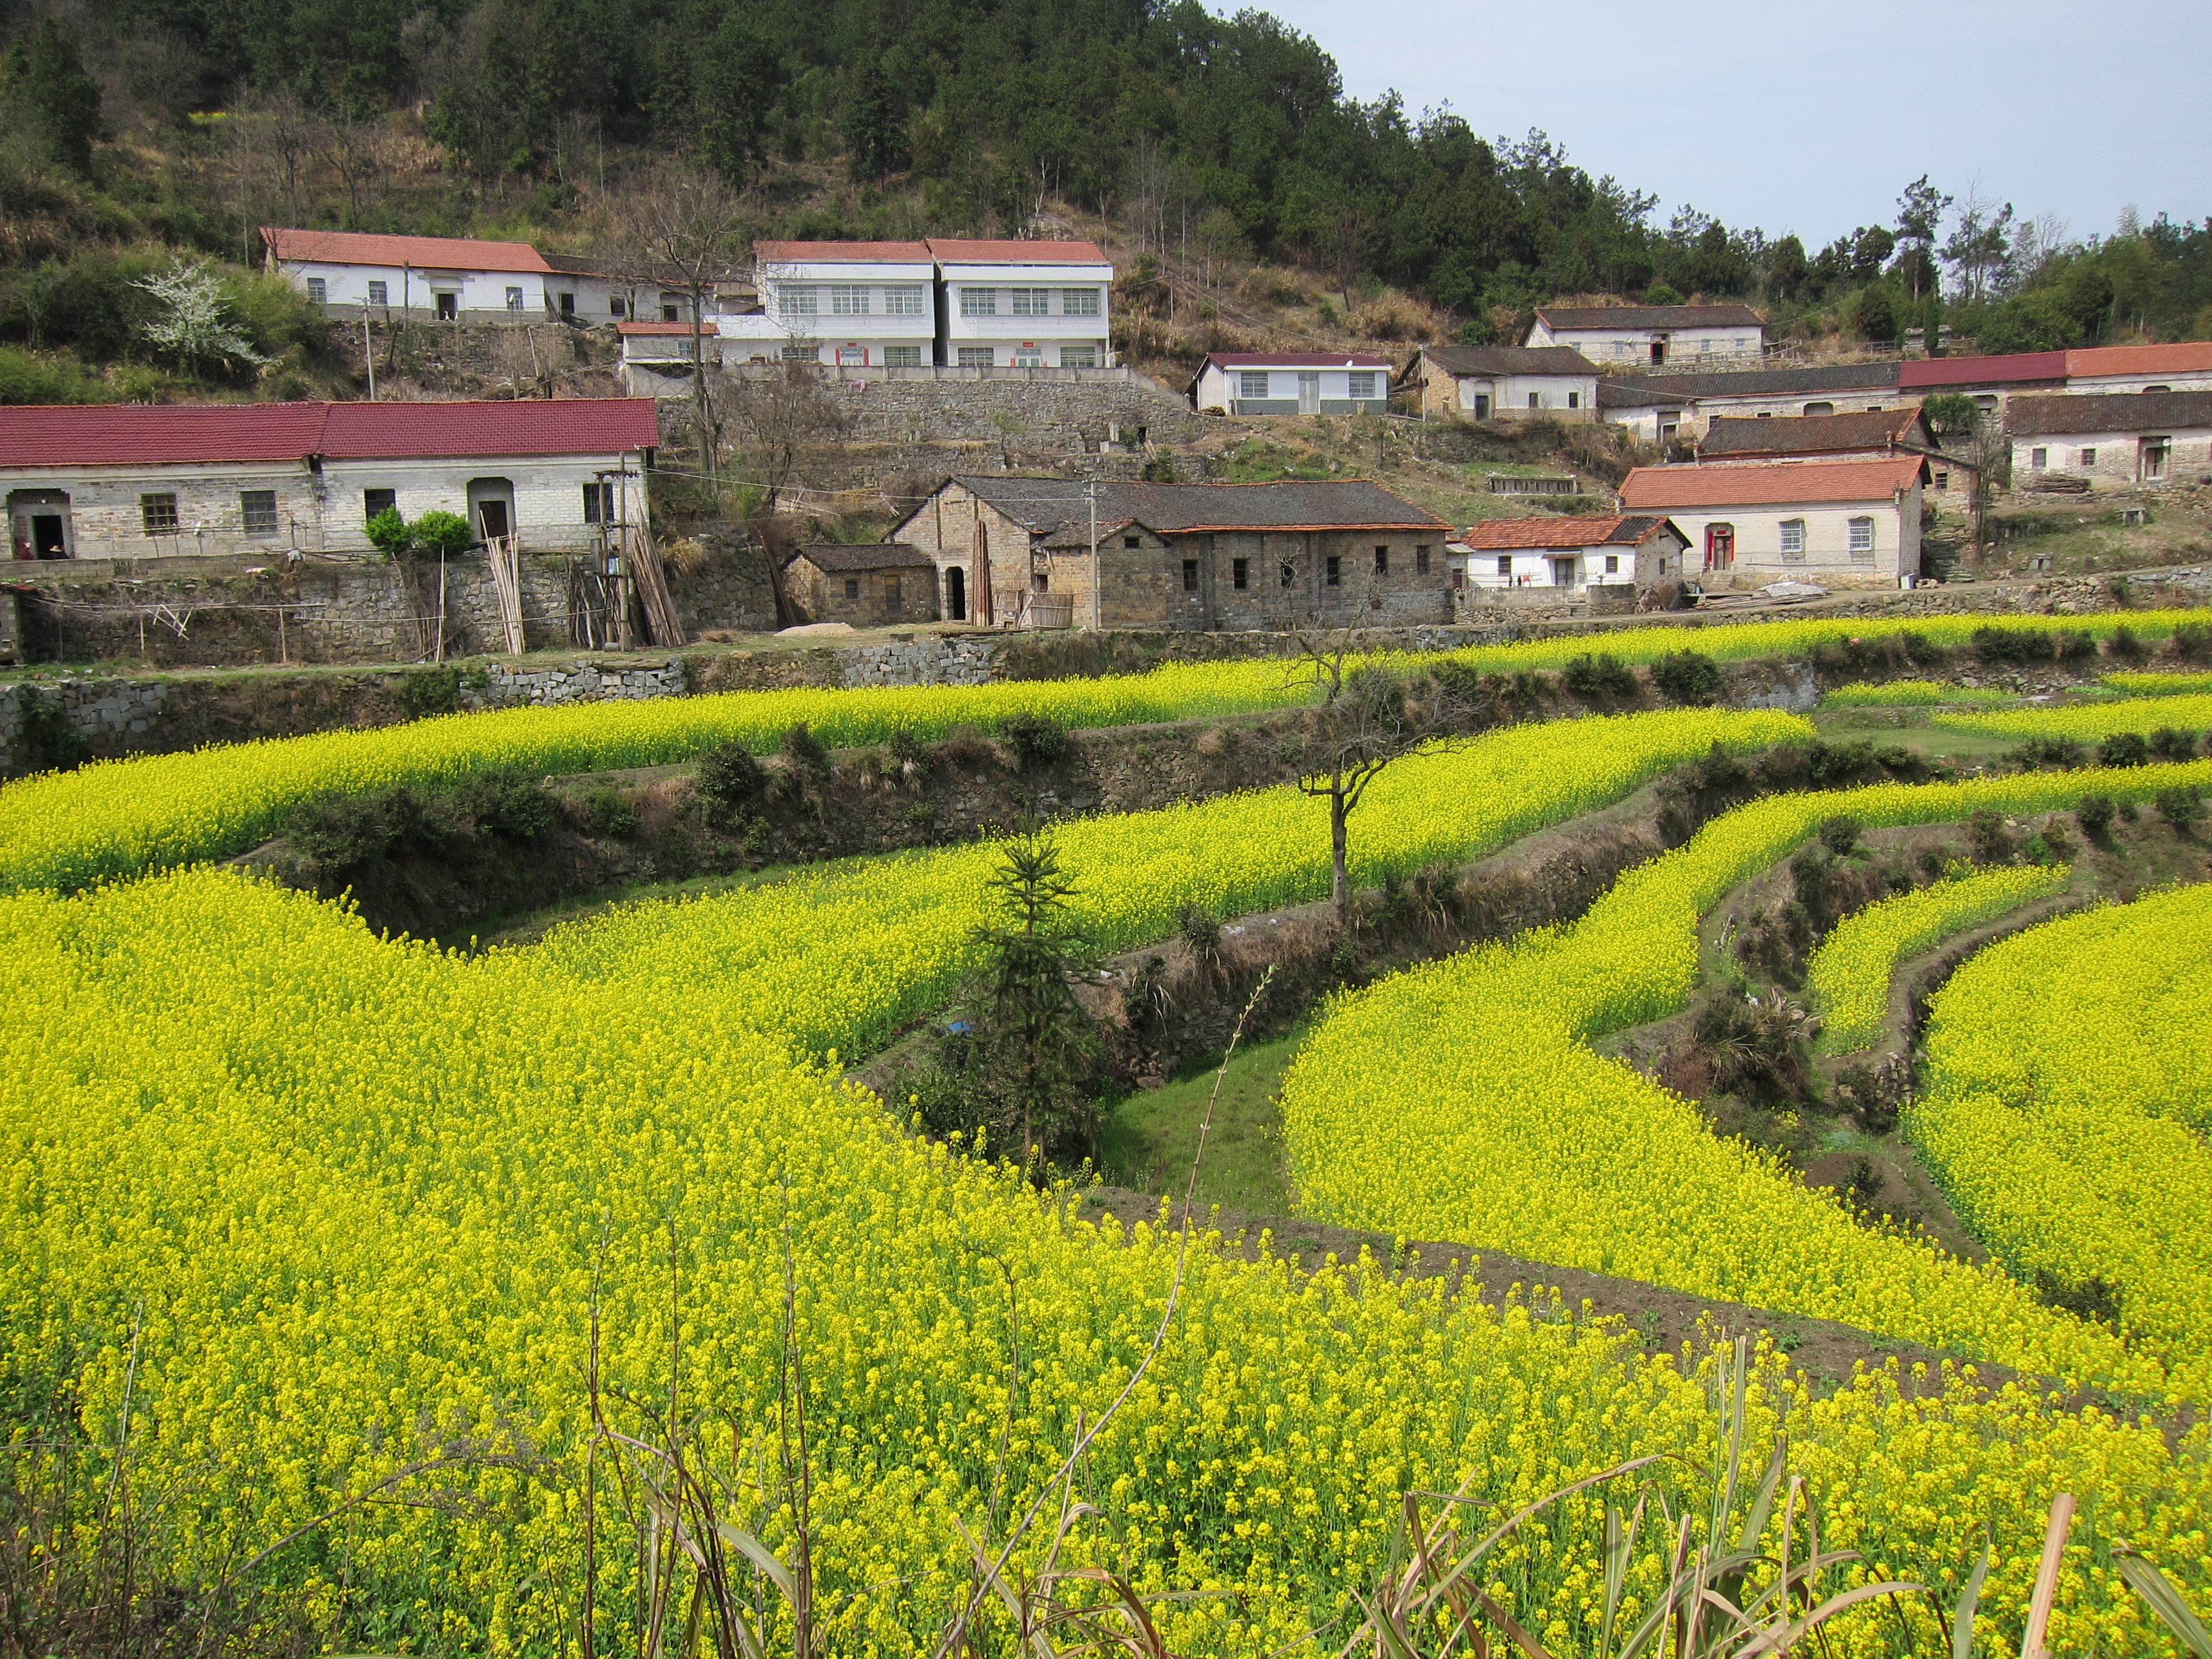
(154, 125)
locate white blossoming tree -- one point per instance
(196, 327)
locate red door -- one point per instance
(1720, 547)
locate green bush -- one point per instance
(2167, 745)
(609, 813)
(804, 750)
(732, 782)
(2001, 644)
(1840, 833)
(2094, 814)
(337, 832)
(2192, 642)
(429, 691)
(2181, 806)
(1602, 676)
(1035, 739)
(1688, 677)
(30, 377)
(2124, 749)
(509, 803)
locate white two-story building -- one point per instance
(854, 305)
(1023, 304)
(1291, 383)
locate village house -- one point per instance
(1569, 555)
(1838, 522)
(1016, 551)
(1648, 403)
(657, 355)
(130, 481)
(855, 305)
(888, 584)
(1480, 383)
(1621, 335)
(1735, 441)
(1991, 382)
(1291, 383)
(1022, 304)
(440, 277)
(2184, 367)
(2113, 439)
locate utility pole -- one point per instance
(1092, 492)
(368, 353)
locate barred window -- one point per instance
(319, 291)
(1079, 301)
(979, 302)
(514, 299)
(1504, 564)
(380, 293)
(1334, 576)
(159, 515)
(257, 511)
(1381, 561)
(1421, 560)
(1190, 575)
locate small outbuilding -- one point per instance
(885, 585)
(1569, 555)
(1291, 383)
(1479, 383)
(1651, 334)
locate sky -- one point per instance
(1811, 120)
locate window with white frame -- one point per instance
(975, 357)
(319, 291)
(1613, 564)
(1079, 301)
(979, 302)
(802, 351)
(795, 299)
(380, 293)
(902, 356)
(1862, 541)
(1078, 356)
(514, 299)
(848, 300)
(905, 300)
(1793, 541)
(1252, 383)
(1505, 564)
(1032, 302)
(1362, 386)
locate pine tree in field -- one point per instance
(1042, 1047)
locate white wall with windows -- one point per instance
(1624, 348)
(476, 296)
(1004, 314)
(1829, 542)
(1292, 388)
(2111, 461)
(1657, 558)
(855, 314)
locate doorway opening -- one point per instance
(39, 526)
(955, 593)
(1720, 547)
(491, 509)
(448, 305)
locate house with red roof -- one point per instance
(1842, 523)
(2186, 367)
(1569, 555)
(137, 480)
(1028, 304)
(1291, 383)
(852, 305)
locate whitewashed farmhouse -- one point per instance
(2114, 440)
(1838, 522)
(1613, 336)
(1291, 383)
(1569, 555)
(1479, 383)
(1650, 404)
(348, 274)
(132, 481)
(1023, 304)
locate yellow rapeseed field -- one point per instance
(2068, 1101)
(2089, 722)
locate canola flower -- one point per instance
(2090, 722)
(2140, 684)
(1910, 694)
(1848, 977)
(356, 1196)
(1509, 1133)
(2067, 1107)
(116, 818)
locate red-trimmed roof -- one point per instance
(145, 434)
(2189, 357)
(955, 250)
(2018, 367)
(822, 253)
(1498, 535)
(706, 327)
(1297, 360)
(346, 247)
(1663, 489)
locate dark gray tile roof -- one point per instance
(1049, 504)
(2111, 411)
(1508, 360)
(1649, 316)
(1812, 435)
(1771, 382)
(1632, 394)
(867, 555)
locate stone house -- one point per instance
(1481, 383)
(1291, 383)
(2114, 440)
(1734, 440)
(1014, 551)
(1991, 382)
(1569, 555)
(130, 481)
(1646, 403)
(1622, 335)
(2184, 367)
(1844, 523)
(888, 584)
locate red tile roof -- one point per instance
(1664, 489)
(2189, 357)
(706, 327)
(1495, 535)
(2024, 365)
(801, 254)
(142, 434)
(1297, 360)
(957, 251)
(345, 247)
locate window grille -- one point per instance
(1361, 387)
(514, 299)
(848, 300)
(374, 501)
(319, 291)
(902, 357)
(257, 511)
(1793, 541)
(974, 356)
(1862, 542)
(796, 299)
(1082, 356)
(380, 293)
(1032, 302)
(1252, 383)
(159, 515)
